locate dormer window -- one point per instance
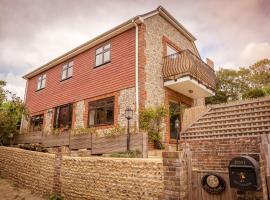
(103, 55)
(41, 82)
(67, 71)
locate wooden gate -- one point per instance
(198, 193)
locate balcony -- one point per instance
(186, 73)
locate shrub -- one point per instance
(151, 121)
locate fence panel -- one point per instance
(80, 141)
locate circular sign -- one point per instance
(213, 183)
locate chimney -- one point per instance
(210, 62)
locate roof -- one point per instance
(109, 34)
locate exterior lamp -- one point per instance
(128, 115)
(177, 127)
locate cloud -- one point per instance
(254, 52)
(33, 32)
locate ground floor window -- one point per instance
(63, 116)
(176, 112)
(101, 112)
(36, 123)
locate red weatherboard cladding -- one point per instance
(87, 82)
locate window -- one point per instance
(103, 55)
(36, 123)
(41, 82)
(63, 116)
(170, 50)
(67, 71)
(101, 112)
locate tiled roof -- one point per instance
(242, 118)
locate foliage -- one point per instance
(254, 93)
(83, 131)
(252, 82)
(118, 130)
(56, 197)
(129, 154)
(151, 121)
(11, 110)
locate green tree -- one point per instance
(11, 110)
(244, 83)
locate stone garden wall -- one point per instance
(96, 178)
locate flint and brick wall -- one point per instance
(83, 178)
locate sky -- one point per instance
(233, 33)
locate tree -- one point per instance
(244, 83)
(11, 110)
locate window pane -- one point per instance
(100, 115)
(38, 85)
(99, 50)
(70, 72)
(107, 56)
(43, 83)
(110, 115)
(70, 64)
(64, 74)
(107, 46)
(99, 60)
(44, 76)
(64, 67)
(170, 50)
(92, 118)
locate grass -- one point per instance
(129, 154)
(56, 197)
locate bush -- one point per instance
(56, 197)
(151, 121)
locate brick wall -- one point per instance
(83, 177)
(215, 154)
(29, 169)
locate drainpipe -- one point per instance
(137, 73)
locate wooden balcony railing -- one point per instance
(185, 63)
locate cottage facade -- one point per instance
(150, 60)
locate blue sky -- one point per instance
(32, 32)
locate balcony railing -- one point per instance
(185, 63)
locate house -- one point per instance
(149, 60)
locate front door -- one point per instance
(174, 114)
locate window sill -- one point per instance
(40, 89)
(65, 79)
(101, 64)
(102, 126)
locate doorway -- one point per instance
(176, 110)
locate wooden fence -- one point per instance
(200, 193)
(98, 145)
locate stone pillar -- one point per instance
(175, 176)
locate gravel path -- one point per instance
(8, 191)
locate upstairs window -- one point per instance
(63, 116)
(67, 71)
(170, 50)
(103, 55)
(36, 123)
(101, 112)
(41, 82)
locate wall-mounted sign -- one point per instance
(213, 183)
(244, 173)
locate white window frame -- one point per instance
(101, 51)
(41, 82)
(67, 71)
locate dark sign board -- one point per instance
(213, 183)
(244, 173)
